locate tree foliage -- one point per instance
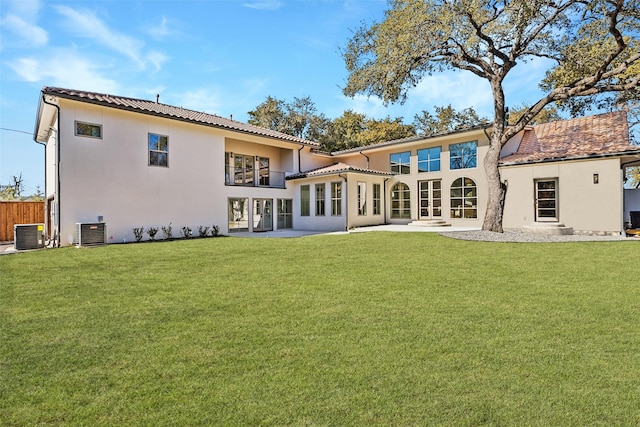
(446, 119)
(593, 45)
(15, 189)
(547, 115)
(300, 118)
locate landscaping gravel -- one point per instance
(516, 236)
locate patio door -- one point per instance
(262, 214)
(547, 200)
(430, 199)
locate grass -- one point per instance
(363, 329)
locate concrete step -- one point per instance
(548, 229)
(430, 223)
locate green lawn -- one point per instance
(364, 329)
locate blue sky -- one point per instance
(222, 57)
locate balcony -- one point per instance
(246, 177)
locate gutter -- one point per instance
(56, 193)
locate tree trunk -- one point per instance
(497, 190)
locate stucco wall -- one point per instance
(582, 204)
(326, 222)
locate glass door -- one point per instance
(262, 215)
(430, 199)
(547, 200)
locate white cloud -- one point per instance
(87, 24)
(157, 59)
(208, 100)
(265, 4)
(64, 69)
(30, 33)
(460, 89)
(160, 30)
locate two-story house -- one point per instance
(128, 163)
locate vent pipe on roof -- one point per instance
(157, 97)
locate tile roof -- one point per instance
(584, 137)
(336, 168)
(169, 111)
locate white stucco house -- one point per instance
(125, 163)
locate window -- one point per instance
(429, 160)
(305, 200)
(376, 200)
(320, 199)
(464, 198)
(263, 164)
(88, 129)
(401, 163)
(336, 198)
(463, 156)
(285, 213)
(362, 198)
(158, 150)
(400, 201)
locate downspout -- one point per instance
(56, 193)
(46, 223)
(299, 159)
(346, 202)
(367, 157)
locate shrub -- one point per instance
(203, 231)
(138, 232)
(152, 231)
(215, 231)
(167, 231)
(186, 232)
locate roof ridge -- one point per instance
(173, 111)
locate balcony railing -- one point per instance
(254, 178)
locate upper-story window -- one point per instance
(463, 155)
(88, 129)
(401, 163)
(429, 159)
(158, 150)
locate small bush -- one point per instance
(186, 232)
(215, 231)
(138, 232)
(152, 231)
(167, 232)
(203, 231)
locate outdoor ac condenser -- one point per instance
(90, 234)
(28, 236)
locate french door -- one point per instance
(546, 200)
(430, 199)
(262, 214)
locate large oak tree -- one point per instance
(594, 46)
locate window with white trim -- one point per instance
(158, 150)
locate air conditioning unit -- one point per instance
(28, 236)
(91, 234)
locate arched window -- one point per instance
(400, 201)
(464, 198)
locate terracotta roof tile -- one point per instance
(335, 168)
(593, 136)
(169, 111)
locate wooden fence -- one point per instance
(14, 212)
